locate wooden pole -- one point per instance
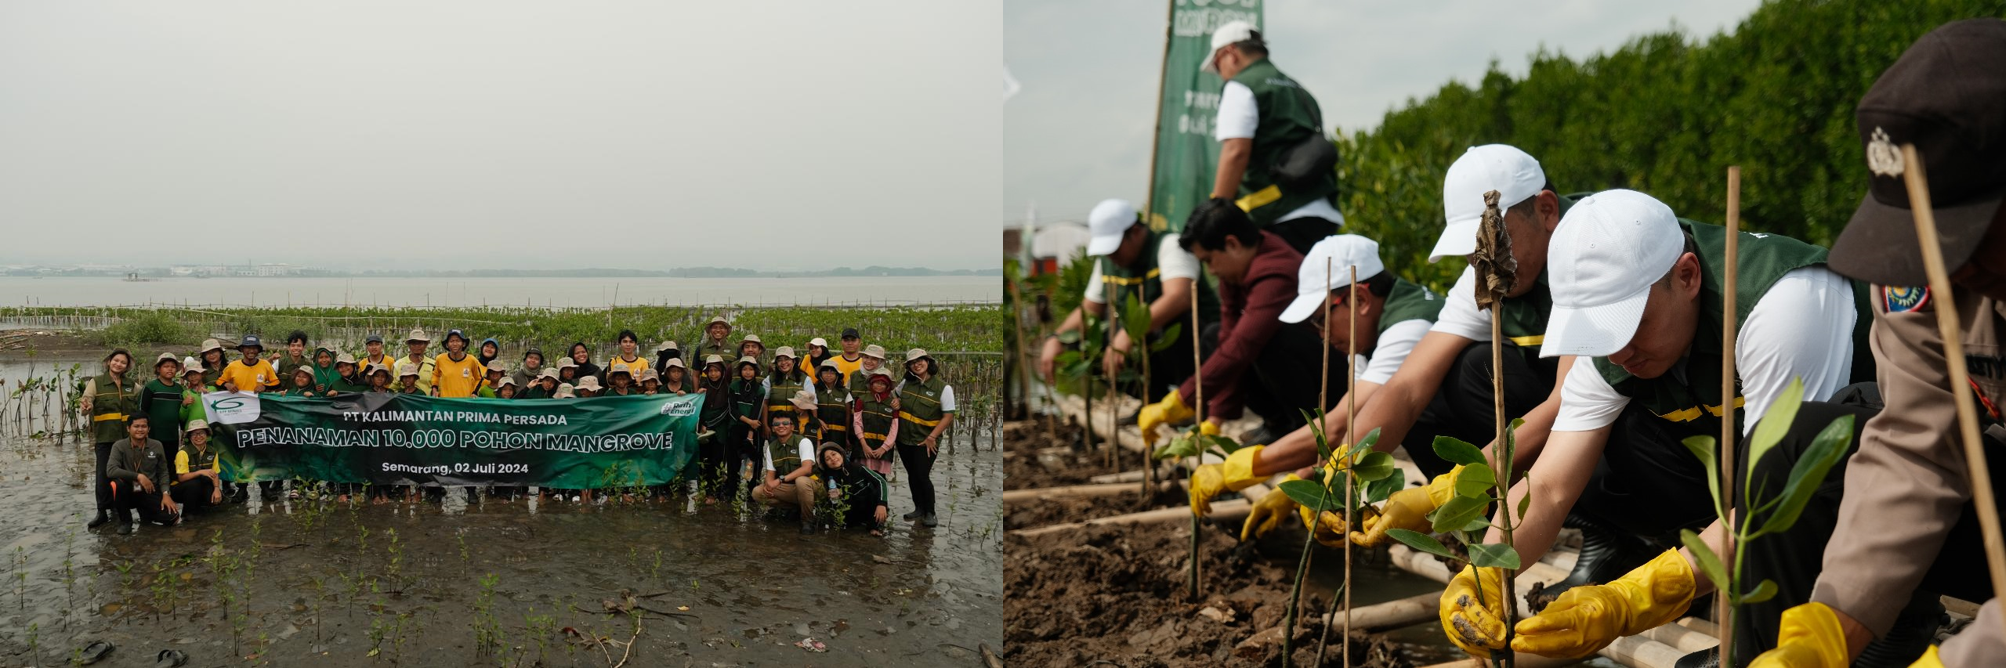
(1724, 609)
(1156, 139)
(1350, 478)
(1198, 401)
(1953, 354)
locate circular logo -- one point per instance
(227, 403)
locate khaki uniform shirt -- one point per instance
(1907, 483)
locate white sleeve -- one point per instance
(1392, 350)
(766, 455)
(1238, 114)
(947, 398)
(807, 450)
(810, 389)
(1172, 260)
(1095, 286)
(1801, 328)
(1587, 402)
(1460, 315)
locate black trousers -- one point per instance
(1284, 381)
(103, 483)
(1302, 233)
(719, 463)
(1464, 406)
(919, 475)
(127, 496)
(1169, 367)
(193, 492)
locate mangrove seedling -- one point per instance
(1366, 466)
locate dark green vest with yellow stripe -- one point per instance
(919, 409)
(781, 391)
(1288, 117)
(1523, 318)
(116, 402)
(877, 418)
(832, 413)
(1145, 281)
(1689, 394)
(1408, 301)
(785, 453)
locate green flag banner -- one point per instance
(1186, 155)
(387, 438)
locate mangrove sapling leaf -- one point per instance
(1493, 555)
(1709, 562)
(1761, 592)
(1309, 493)
(1774, 424)
(1166, 339)
(1476, 481)
(1702, 447)
(1377, 490)
(1373, 467)
(1526, 500)
(1421, 541)
(1459, 452)
(1808, 473)
(1457, 513)
(1478, 526)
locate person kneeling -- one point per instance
(788, 465)
(135, 466)
(864, 495)
(195, 481)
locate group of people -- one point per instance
(789, 430)
(1612, 356)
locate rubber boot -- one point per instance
(103, 516)
(1915, 628)
(1606, 554)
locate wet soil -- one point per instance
(493, 580)
(1032, 513)
(1035, 457)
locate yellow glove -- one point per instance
(1408, 509)
(1929, 659)
(1810, 637)
(1474, 624)
(1208, 428)
(1586, 619)
(1212, 480)
(1269, 511)
(1170, 409)
(1331, 530)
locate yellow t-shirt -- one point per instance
(458, 379)
(250, 378)
(181, 463)
(846, 366)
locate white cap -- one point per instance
(1233, 32)
(1511, 172)
(1327, 267)
(1110, 219)
(1605, 255)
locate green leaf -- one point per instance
(1306, 492)
(1229, 446)
(1761, 592)
(1702, 447)
(1808, 473)
(1476, 480)
(1709, 563)
(1525, 501)
(1374, 466)
(1478, 526)
(1493, 555)
(1178, 448)
(1370, 441)
(1421, 541)
(1378, 490)
(1775, 423)
(1458, 452)
(1166, 338)
(1457, 513)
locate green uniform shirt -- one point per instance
(161, 403)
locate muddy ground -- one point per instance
(1039, 455)
(492, 581)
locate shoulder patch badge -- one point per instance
(1901, 300)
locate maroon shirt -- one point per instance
(1249, 315)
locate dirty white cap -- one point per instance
(191, 364)
(497, 365)
(1506, 169)
(1327, 267)
(165, 357)
(1109, 220)
(784, 351)
(407, 369)
(588, 383)
(344, 358)
(1605, 255)
(667, 346)
(417, 335)
(818, 341)
(1233, 32)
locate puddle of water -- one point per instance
(490, 579)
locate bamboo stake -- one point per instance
(1953, 355)
(1724, 609)
(1302, 565)
(1197, 400)
(1350, 478)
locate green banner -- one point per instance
(1187, 157)
(387, 438)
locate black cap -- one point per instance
(850, 332)
(1947, 95)
(374, 338)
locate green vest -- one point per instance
(202, 460)
(860, 382)
(745, 400)
(115, 403)
(785, 453)
(1692, 399)
(1523, 318)
(346, 386)
(534, 391)
(1145, 280)
(877, 418)
(782, 389)
(1288, 117)
(1409, 301)
(832, 410)
(919, 409)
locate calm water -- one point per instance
(105, 291)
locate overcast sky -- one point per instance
(502, 133)
(1079, 130)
